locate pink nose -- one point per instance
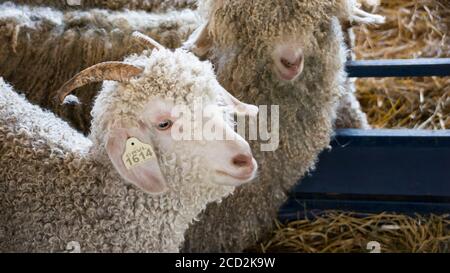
(292, 61)
(289, 62)
(243, 161)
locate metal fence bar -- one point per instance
(372, 171)
(399, 68)
(378, 170)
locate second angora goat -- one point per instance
(289, 53)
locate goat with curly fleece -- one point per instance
(289, 53)
(41, 48)
(59, 188)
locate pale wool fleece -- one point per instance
(41, 48)
(147, 5)
(57, 187)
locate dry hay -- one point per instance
(337, 232)
(414, 29)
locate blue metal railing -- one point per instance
(371, 171)
(399, 68)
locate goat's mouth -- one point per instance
(288, 71)
(237, 177)
(290, 74)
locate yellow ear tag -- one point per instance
(136, 153)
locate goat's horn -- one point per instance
(146, 40)
(107, 71)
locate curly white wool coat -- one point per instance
(57, 186)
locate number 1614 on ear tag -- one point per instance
(136, 153)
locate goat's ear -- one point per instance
(237, 106)
(200, 41)
(146, 175)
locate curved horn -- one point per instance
(146, 41)
(110, 71)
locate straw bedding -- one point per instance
(414, 29)
(338, 232)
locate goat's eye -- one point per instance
(165, 125)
